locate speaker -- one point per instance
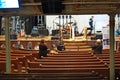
(97, 36)
(55, 32)
(13, 36)
(55, 38)
(44, 32)
(52, 6)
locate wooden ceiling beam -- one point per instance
(73, 3)
(92, 3)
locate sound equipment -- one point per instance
(60, 47)
(0, 24)
(89, 28)
(54, 32)
(55, 38)
(29, 24)
(97, 36)
(44, 32)
(37, 32)
(52, 6)
(13, 36)
(34, 32)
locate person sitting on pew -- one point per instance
(29, 46)
(61, 45)
(54, 48)
(2, 46)
(18, 45)
(97, 48)
(43, 49)
(37, 46)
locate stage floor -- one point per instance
(47, 38)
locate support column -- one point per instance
(60, 29)
(0, 24)
(7, 39)
(112, 40)
(13, 22)
(85, 33)
(73, 33)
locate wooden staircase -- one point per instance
(77, 46)
(75, 63)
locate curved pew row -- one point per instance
(20, 58)
(105, 58)
(104, 71)
(53, 76)
(15, 66)
(67, 62)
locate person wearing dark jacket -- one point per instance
(91, 24)
(43, 49)
(97, 48)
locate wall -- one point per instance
(100, 20)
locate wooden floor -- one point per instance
(75, 63)
(77, 38)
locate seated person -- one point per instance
(43, 49)
(54, 48)
(61, 45)
(2, 46)
(29, 46)
(117, 33)
(18, 45)
(97, 48)
(118, 47)
(36, 46)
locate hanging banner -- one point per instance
(106, 40)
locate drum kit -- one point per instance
(70, 23)
(66, 29)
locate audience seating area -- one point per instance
(66, 65)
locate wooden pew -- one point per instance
(64, 60)
(68, 57)
(53, 76)
(24, 51)
(105, 58)
(23, 58)
(65, 65)
(59, 55)
(15, 66)
(104, 70)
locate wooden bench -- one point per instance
(68, 57)
(83, 51)
(64, 60)
(105, 58)
(15, 66)
(53, 76)
(59, 55)
(104, 71)
(65, 65)
(22, 59)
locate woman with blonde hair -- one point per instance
(29, 46)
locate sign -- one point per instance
(106, 40)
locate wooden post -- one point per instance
(7, 39)
(85, 33)
(112, 40)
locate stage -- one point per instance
(49, 41)
(47, 38)
(35, 40)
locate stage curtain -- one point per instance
(0, 24)
(30, 22)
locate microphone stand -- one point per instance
(94, 27)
